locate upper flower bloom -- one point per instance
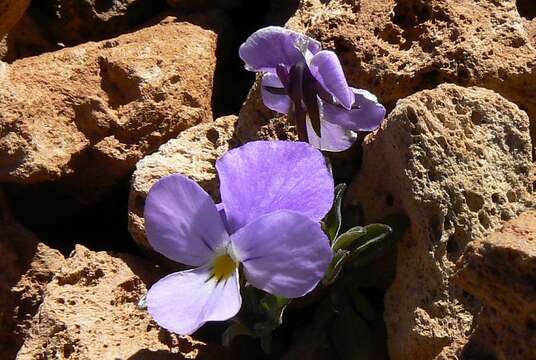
(309, 84)
(273, 196)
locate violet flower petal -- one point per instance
(182, 222)
(221, 210)
(327, 70)
(284, 253)
(264, 176)
(333, 138)
(182, 302)
(273, 45)
(367, 117)
(280, 103)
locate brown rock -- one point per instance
(89, 311)
(10, 13)
(457, 162)
(19, 299)
(73, 22)
(500, 271)
(92, 111)
(395, 48)
(193, 153)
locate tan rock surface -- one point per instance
(89, 311)
(395, 48)
(193, 153)
(10, 13)
(457, 161)
(92, 111)
(500, 271)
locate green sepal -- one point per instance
(332, 221)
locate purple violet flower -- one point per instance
(309, 85)
(274, 194)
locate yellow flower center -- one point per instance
(223, 267)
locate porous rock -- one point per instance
(193, 153)
(457, 161)
(500, 271)
(90, 311)
(395, 48)
(20, 250)
(92, 111)
(10, 13)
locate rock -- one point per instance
(500, 271)
(89, 311)
(87, 114)
(10, 13)
(398, 47)
(73, 22)
(457, 161)
(20, 250)
(193, 153)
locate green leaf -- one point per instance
(371, 244)
(345, 240)
(350, 335)
(339, 258)
(333, 218)
(234, 330)
(379, 238)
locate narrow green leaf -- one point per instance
(339, 258)
(142, 303)
(371, 244)
(333, 219)
(345, 241)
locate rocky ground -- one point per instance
(99, 99)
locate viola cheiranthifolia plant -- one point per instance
(274, 194)
(308, 83)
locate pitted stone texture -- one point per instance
(500, 271)
(193, 153)
(92, 111)
(89, 311)
(457, 161)
(10, 13)
(395, 48)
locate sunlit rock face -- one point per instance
(395, 48)
(500, 271)
(90, 112)
(457, 161)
